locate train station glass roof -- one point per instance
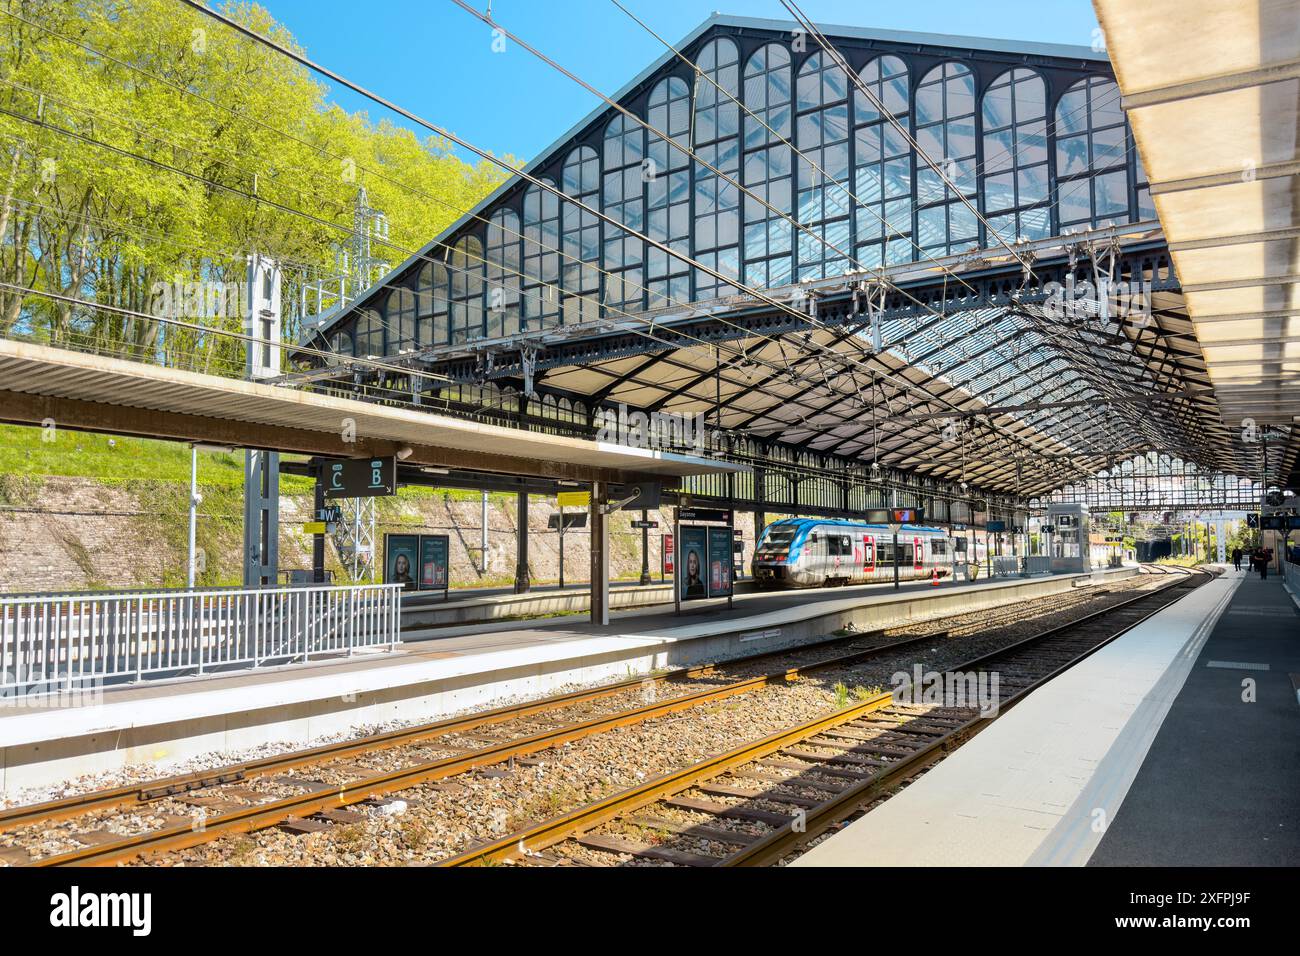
(932, 254)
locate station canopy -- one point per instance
(1018, 338)
(1216, 113)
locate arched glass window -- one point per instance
(625, 203)
(945, 131)
(370, 334)
(399, 316)
(466, 268)
(717, 142)
(1014, 111)
(767, 171)
(822, 135)
(541, 302)
(431, 291)
(580, 264)
(1091, 155)
(883, 173)
(668, 192)
(504, 263)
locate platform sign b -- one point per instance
(361, 478)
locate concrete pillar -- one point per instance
(599, 555)
(522, 581)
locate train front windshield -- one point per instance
(778, 538)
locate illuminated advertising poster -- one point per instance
(670, 556)
(695, 545)
(400, 553)
(720, 559)
(433, 562)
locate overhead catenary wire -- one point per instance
(902, 384)
(899, 126)
(84, 46)
(523, 174)
(620, 227)
(663, 136)
(813, 164)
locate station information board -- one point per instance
(577, 519)
(361, 478)
(706, 568)
(435, 563)
(705, 514)
(574, 499)
(895, 515)
(721, 555)
(401, 557)
(695, 560)
(418, 562)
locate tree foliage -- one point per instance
(142, 144)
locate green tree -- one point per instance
(146, 147)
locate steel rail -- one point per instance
(817, 820)
(68, 807)
(260, 816)
(550, 832)
(139, 793)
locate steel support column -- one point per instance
(522, 581)
(599, 554)
(645, 547)
(318, 540)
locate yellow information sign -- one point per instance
(574, 499)
(314, 527)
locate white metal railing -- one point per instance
(1038, 564)
(1291, 574)
(1005, 565)
(52, 643)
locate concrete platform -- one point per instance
(463, 668)
(1144, 753)
(431, 609)
(1221, 783)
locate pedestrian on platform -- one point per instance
(1236, 558)
(1262, 558)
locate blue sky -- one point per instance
(436, 60)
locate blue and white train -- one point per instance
(808, 552)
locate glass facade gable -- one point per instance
(713, 164)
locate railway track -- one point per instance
(312, 803)
(760, 803)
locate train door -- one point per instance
(839, 551)
(918, 558)
(868, 555)
(816, 556)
